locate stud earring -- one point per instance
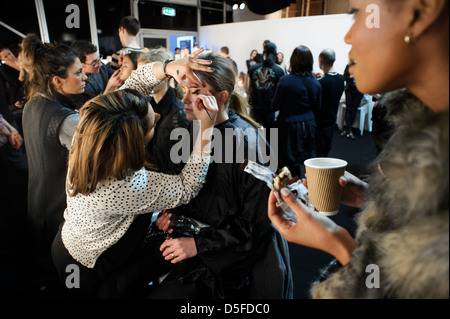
(408, 39)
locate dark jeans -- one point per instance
(352, 102)
(324, 140)
(122, 271)
(297, 143)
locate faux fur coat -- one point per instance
(403, 231)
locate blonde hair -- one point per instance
(224, 79)
(109, 140)
(155, 55)
(161, 55)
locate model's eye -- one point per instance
(196, 92)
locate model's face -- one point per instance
(126, 69)
(75, 81)
(190, 99)
(379, 58)
(92, 63)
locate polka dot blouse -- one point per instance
(142, 80)
(95, 222)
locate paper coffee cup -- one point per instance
(322, 176)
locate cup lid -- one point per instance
(325, 162)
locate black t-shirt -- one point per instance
(333, 85)
(264, 80)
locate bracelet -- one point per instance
(204, 152)
(333, 267)
(164, 68)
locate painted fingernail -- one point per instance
(285, 191)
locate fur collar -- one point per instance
(411, 174)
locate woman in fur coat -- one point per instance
(401, 248)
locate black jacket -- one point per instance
(172, 116)
(234, 205)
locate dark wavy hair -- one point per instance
(43, 61)
(301, 61)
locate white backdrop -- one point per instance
(317, 33)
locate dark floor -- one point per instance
(25, 276)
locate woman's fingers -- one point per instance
(171, 251)
(292, 201)
(209, 102)
(196, 53)
(276, 214)
(194, 80)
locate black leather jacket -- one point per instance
(234, 204)
(172, 116)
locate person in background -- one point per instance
(280, 61)
(10, 71)
(101, 79)
(184, 52)
(261, 82)
(298, 98)
(333, 85)
(129, 64)
(129, 28)
(9, 134)
(49, 121)
(251, 61)
(382, 128)
(259, 58)
(353, 99)
(177, 54)
(241, 84)
(225, 52)
(164, 102)
(403, 229)
(15, 90)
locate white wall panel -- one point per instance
(318, 33)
